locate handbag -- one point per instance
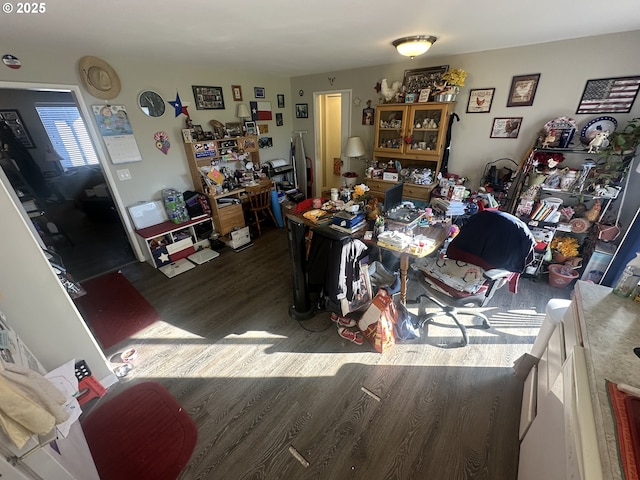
(377, 322)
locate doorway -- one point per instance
(332, 129)
(77, 216)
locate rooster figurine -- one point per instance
(594, 212)
(389, 93)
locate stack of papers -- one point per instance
(394, 240)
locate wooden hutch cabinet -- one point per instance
(226, 216)
(413, 134)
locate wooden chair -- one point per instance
(260, 202)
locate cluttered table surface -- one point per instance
(419, 237)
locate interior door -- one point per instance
(332, 129)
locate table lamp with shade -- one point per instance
(354, 149)
(242, 112)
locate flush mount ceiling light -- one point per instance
(414, 46)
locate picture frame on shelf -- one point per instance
(187, 135)
(280, 100)
(14, 121)
(251, 128)
(234, 129)
(237, 93)
(480, 100)
(302, 110)
(420, 78)
(425, 93)
(523, 90)
(609, 95)
(198, 132)
(506, 127)
(259, 92)
(248, 144)
(208, 98)
(410, 98)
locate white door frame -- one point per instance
(97, 145)
(345, 128)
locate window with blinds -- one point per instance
(68, 134)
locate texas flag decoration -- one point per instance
(260, 110)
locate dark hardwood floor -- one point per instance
(274, 398)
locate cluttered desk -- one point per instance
(403, 229)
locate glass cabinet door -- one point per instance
(426, 130)
(390, 128)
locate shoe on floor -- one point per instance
(351, 335)
(342, 321)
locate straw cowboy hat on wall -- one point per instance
(99, 78)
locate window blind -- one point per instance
(68, 134)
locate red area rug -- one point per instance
(114, 309)
(142, 433)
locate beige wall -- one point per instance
(30, 294)
(564, 67)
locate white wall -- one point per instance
(564, 68)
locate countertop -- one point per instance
(611, 329)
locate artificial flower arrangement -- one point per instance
(359, 192)
(566, 246)
(544, 161)
(454, 76)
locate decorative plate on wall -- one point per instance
(598, 124)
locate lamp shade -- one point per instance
(414, 46)
(243, 111)
(355, 147)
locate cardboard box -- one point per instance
(392, 177)
(238, 238)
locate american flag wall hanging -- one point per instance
(609, 95)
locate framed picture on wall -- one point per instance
(421, 78)
(609, 95)
(523, 90)
(302, 110)
(14, 122)
(280, 100)
(259, 92)
(506, 127)
(208, 98)
(237, 93)
(480, 100)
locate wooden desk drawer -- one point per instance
(417, 192)
(226, 218)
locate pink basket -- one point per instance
(558, 279)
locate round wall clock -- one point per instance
(151, 103)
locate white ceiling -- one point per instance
(292, 38)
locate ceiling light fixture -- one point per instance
(414, 46)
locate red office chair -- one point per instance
(492, 249)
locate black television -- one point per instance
(392, 197)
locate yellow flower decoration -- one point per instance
(567, 246)
(454, 76)
(359, 191)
